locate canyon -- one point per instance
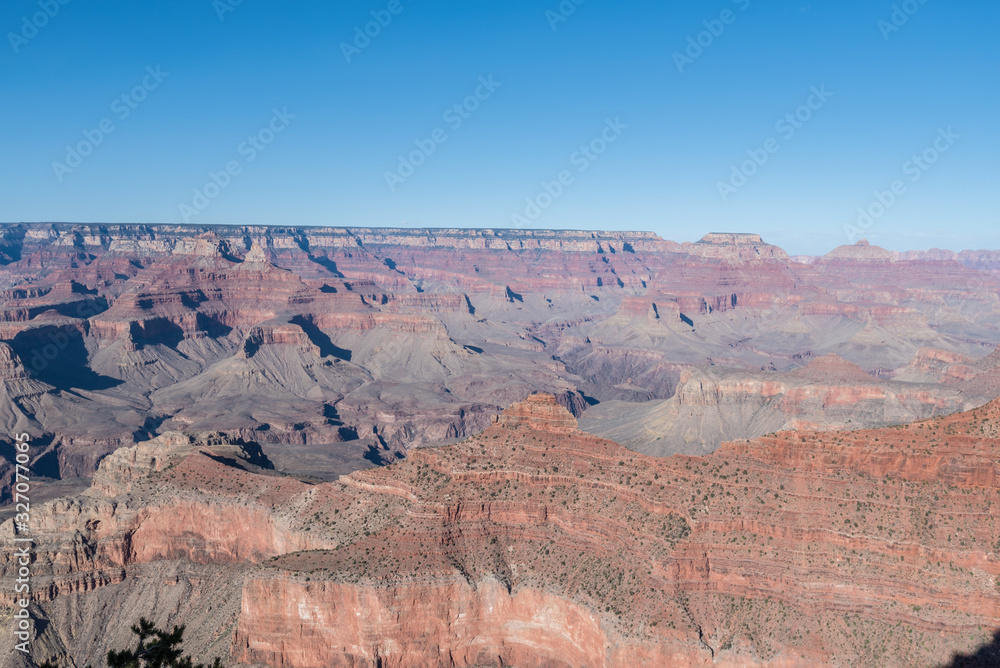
(465, 447)
(344, 348)
(859, 548)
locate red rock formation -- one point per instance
(780, 542)
(735, 246)
(535, 543)
(862, 250)
(539, 412)
(380, 340)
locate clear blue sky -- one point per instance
(892, 90)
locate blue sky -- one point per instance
(665, 132)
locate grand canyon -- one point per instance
(400, 447)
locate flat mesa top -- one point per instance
(731, 238)
(236, 230)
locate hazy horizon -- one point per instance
(764, 237)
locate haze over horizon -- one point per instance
(241, 113)
(764, 238)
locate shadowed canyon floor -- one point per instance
(339, 349)
(534, 543)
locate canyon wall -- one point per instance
(370, 342)
(534, 543)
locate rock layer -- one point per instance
(370, 342)
(535, 543)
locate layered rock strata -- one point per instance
(536, 544)
(370, 342)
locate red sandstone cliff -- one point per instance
(535, 543)
(797, 550)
